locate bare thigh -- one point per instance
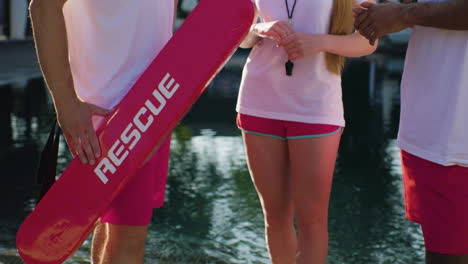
(312, 164)
(268, 160)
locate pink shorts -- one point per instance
(134, 205)
(283, 130)
(436, 197)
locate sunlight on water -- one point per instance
(212, 213)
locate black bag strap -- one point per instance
(47, 168)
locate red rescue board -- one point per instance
(176, 78)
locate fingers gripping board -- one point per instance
(175, 79)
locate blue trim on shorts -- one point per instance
(318, 135)
(296, 137)
(262, 134)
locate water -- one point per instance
(212, 213)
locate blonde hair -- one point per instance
(342, 23)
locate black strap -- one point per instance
(47, 168)
(289, 64)
(290, 14)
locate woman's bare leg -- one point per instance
(268, 164)
(312, 165)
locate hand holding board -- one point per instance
(163, 94)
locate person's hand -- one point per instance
(300, 45)
(74, 117)
(376, 20)
(276, 30)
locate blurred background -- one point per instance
(212, 213)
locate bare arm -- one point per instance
(300, 45)
(275, 30)
(390, 17)
(447, 15)
(252, 37)
(354, 45)
(250, 40)
(74, 116)
(52, 50)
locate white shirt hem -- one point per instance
(431, 156)
(326, 120)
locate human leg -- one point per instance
(118, 244)
(267, 159)
(99, 242)
(125, 244)
(437, 258)
(312, 162)
(125, 223)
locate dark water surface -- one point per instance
(212, 213)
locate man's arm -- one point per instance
(447, 15)
(74, 116)
(390, 17)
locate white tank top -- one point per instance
(312, 94)
(434, 96)
(111, 42)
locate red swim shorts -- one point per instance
(134, 205)
(283, 130)
(436, 197)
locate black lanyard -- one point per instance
(290, 14)
(289, 64)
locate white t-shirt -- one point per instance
(434, 96)
(111, 43)
(312, 94)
